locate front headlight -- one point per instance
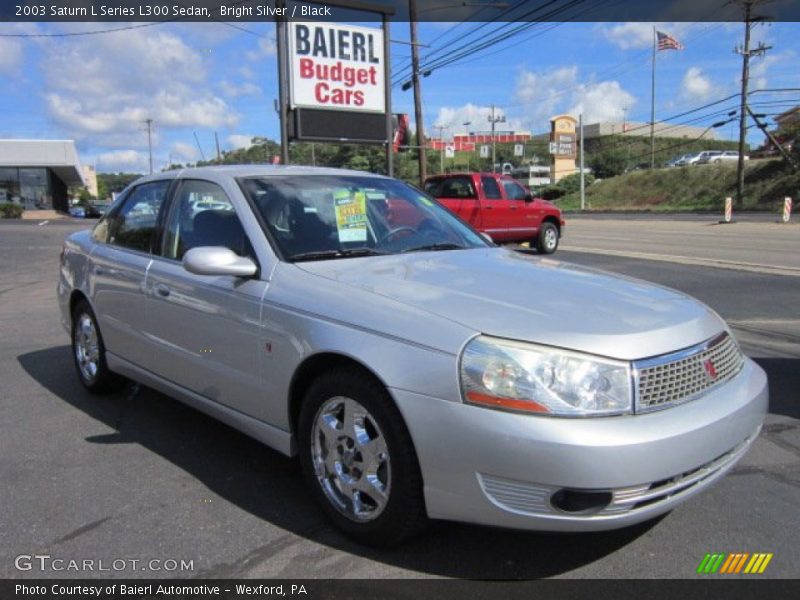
(525, 377)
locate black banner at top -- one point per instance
(233, 11)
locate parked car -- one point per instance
(678, 161)
(418, 370)
(97, 209)
(701, 157)
(726, 156)
(77, 212)
(499, 206)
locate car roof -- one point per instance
(464, 174)
(235, 171)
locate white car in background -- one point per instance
(703, 157)
(727, 156)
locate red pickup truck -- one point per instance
(500, 207)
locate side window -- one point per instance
(101, 229)
(202, 215)
(457, 187)
(514, 191)
(490, 188)
(134, 226)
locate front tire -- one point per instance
(548, 238)
(358, 459)
(89, 352)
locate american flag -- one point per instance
(667, 42)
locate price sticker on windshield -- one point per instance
(351, 215)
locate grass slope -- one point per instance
(698, 188)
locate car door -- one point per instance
(119, 263)
(524, 217)
(205, 330)
(495, 209)
(458, 194)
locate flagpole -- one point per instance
(653, 107)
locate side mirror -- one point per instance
(217, 260)
(528, 197)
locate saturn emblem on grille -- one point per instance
(711, 370)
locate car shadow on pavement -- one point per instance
(269, 485)
(783, 375)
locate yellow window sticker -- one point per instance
(351, 215)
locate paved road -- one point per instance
(140, 476)
(759, 246)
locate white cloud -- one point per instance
(635, 36)
(10, 56)
(453, 118)
(122, 160)
(234, 90)
(266, 47)
(759, 68)
(695, 85)
(545, 94)
(247, 72)
(181, 152)
(237, 141)
(102, 89)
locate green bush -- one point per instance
(9, 210)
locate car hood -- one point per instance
(507, 294)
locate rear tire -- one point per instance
(548, 238)
(358, 459)
(89, 352)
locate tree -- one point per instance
(608, 163)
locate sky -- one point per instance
(198, 79)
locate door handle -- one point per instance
(162, 290)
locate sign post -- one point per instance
(787, 209)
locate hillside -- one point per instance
(699, 188)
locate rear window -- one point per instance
(451, 187)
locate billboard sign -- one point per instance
(336, 67)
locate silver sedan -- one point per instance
(418, 370)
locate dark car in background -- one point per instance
(96, 209)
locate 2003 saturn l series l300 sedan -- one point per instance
(418, 370)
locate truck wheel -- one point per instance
(358, 459)
(547, 241)
(89, 352)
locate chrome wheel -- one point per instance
(351, 459)
(86, 347)
(550, 239)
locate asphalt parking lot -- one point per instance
(138, 476)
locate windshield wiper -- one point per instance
(331, 254)
(436, 246)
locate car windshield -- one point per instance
(318, 217)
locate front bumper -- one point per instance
(503, 469)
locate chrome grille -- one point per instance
(675, 378)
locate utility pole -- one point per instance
(746, 53)
(423, 166)
(216, 141)
(199, 147)
(493, 120)
(583, 182)
(150, 142)
(653, 105)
